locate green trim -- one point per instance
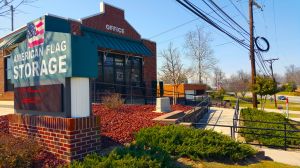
(115, 42)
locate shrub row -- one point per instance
(129, 157)
(252, 135)
(158, 147)
(193, 143)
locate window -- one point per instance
(109, 69)
(8, 74)
(100, 67)
(134, 71)
(120, 69)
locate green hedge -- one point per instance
(193, 143)
(129, 157)
(258, 115)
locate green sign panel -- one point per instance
(50, 61)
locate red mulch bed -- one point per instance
(119, 126)
(46, 159)
(4, 124)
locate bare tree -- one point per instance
(172, 70)
(238, 83)
(197, 44)
(232, 84)
(244, 84)
(218, 77)
(292, 74)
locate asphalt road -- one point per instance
(293, 99)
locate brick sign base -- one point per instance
(67, 138)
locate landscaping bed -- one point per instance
(118, 126)
(163, 146)
(3, 124)
(23, 153)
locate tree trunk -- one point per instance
(173, 94)
(261, 102)
(265, 102)
(200, 73)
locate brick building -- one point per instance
(49, 64)
(124, 58)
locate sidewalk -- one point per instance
(6, 107)
(219, 116)
(282, 156)
(281, 111)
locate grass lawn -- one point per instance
(268, 104)
(294, 115)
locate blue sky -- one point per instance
(151, 17)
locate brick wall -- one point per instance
(67, 138)
(149, 70)
(75, 27)
(112, 16)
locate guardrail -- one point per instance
(197, 112)
(235, 128)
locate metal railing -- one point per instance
(203, 106)
(236, 117)
(285, 137)
(235, 128)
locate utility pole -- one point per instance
(252, 56)
(271, 61)
(12, 17)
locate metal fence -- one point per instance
(135, 94)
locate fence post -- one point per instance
(94, 94)
(131, 101)
(285, 147)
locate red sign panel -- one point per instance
(43, 98)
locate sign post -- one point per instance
(287, 107)
(51, 75)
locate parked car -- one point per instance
(281, 98)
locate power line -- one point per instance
(271, 61)
(173, 28)
(193, 8)
(225, 14)
(239, 11)
(180, 36)
(180, 25)
(229, 25)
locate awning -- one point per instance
(114, 42)
(13, 39)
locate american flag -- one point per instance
(35, 33)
